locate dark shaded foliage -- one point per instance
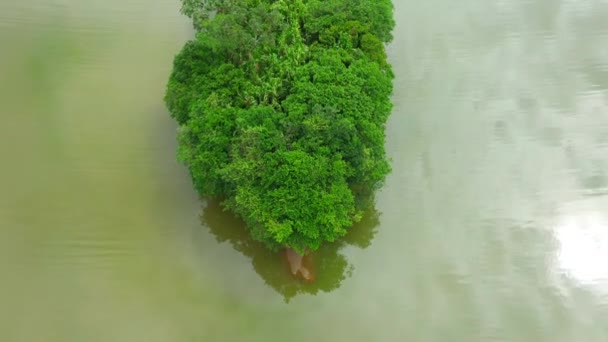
(330, 265)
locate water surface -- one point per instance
(493, 225)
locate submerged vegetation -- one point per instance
(281, 107)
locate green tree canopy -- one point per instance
(282, 107)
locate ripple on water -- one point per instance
(90, 248)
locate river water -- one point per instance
(493, 225)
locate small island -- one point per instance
(282, 107)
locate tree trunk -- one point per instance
(300, 265)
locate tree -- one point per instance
(329, 266)
(282, 107)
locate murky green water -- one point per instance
(492, 227)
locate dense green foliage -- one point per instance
(282, 107)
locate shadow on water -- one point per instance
(330, 266)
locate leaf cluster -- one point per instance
(282, 107)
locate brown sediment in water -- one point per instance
(300, 265)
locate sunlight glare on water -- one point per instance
(583, 248)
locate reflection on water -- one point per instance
(582, 236)
(330, 266)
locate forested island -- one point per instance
(282, 107)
